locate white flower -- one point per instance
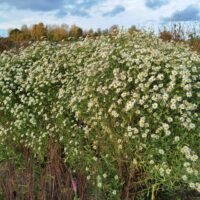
(185, 150)
(144, 135)
(104, 175)
(86, 169)
(99, 185)
(130, 134)
(124, 94)
(116, 177)
(194, 158)
(173, 106)
(155, 87)
(114, 192)
(161, 170)
(114, 114)
(141, 101)
(155, 105)
(88, 177)
(161, 151)
(130, 79)
(135, 130)
(119, 141)
(95, 158)
(151, 162)
(142, 122)
(165, 96)
(177, 138)
(160, 76)
(192, 126)
(189, 170)
(184, 177)
(165, 126)
(130, 105)
(182, 106)
(192, 185)
(167, 132)
(198, 188)
(189, 94)
(168, 171)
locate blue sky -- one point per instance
(97, 13)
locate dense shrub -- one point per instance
(166, 35)
(125, 109)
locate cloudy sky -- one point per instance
(97, 13)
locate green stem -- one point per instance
(153, 192)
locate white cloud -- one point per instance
(136, 13)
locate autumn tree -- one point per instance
(15, 35)
(58, 33)
(75, 32)
(38, 31)
(26, 33)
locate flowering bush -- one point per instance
(125, 109)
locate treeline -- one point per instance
(20, 37)
(41, 31)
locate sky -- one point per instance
(97, 13)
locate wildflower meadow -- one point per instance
(119, 114)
